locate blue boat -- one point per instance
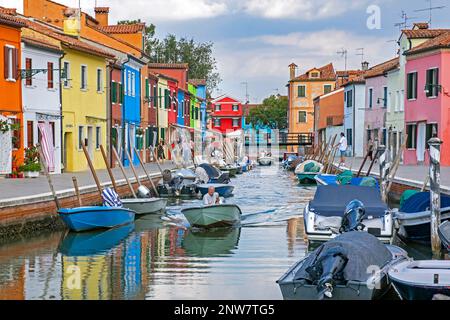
(94, 242)
(332, 180)
(91, 218)
(224, 190)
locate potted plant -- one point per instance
(32, 166)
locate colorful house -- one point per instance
(116, 116)
(193, 106)
(427, 95)
(173, 101)
(11, 145)
(151, 131)
(187, 109)
(226, 114)
(181, 106)
(200, 84)
(377, 102)
(163, 105)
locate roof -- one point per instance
(101, 9)
(40, 43)
(123, 28)
(168, 65)
(423, 33)
(161, 75)
(442, 41)
(356, 80)
(382, 68)
(198, 82)
(10, 20)
(11, 11)
(326, 74)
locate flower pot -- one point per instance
(31, 174)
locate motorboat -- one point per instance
(307, 171)
(333, 179)
(414, 217)
(288, 161)
(323, 215)
(91, 218)
(182, 183)
(224, 190)
(421, 280)
(231, 169)
(444, 235)
(145, 206)
(353, 266)
(216, 216)
(265, 159)
(214, 174)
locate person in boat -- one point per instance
(211, 198)
(343, 148)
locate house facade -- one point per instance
(226, 115)
(163, 104)
(354, 114)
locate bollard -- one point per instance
(435, 193)
(385, 167)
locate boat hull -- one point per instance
(265, 162)
(213, 216)
(146, 206)
(224, 190)
(91, 218)
(307, 178)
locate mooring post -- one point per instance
(384, 170)
(435, 193)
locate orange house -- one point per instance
(328, 115)
(10, 90)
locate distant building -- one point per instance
(226, 114)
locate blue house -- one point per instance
(131, 113)
(181, 104)
(262, 132)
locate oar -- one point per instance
(47, 174)
(91, 167)
(146, 172)
(108, 168)
(123, 171)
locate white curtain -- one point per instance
(421, 136)
(5, 150)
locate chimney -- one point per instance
(292, 68)
(102, 15)
(365, 66)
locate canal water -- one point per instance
(159, 258)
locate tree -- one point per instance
(149, 37)
(272, 113)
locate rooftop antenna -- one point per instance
(404, 24)
(344, 53)
(247, 96)
(430, 9)
(360, 52)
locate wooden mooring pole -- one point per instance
(116, 155)
(47, 174)
(385, 167)
(91, 167)
(146, 172)
(108, 167)
(77, 191)
(435, 193)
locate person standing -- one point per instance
(343, 148)
(161, 155)
(370, 149)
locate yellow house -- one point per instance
(84, 107)
(302, 92)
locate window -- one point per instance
(133, 84)
(302, 117)
(302, 91)
(114, 92)
(28, 67)
(67, 73)
(217, 107)
(412, 86)
(412, 136)
(327, 88)
(431, 87)
(125, 84)
(83, 77)
(80, 137)
(99, 80)
(30, 134)
(349, 137)
(216, 122)
(16, 133)
(11, 63)
(370, 98)
(50, 83)
(98, 137)
(385, 97)
(166, 98)
(155, 96)
(160, 98)
(314, 75)
(432, 128)
(235, 107)
(129, 93)
(235, 123)
(147, 89)
(349, 98)
(121, 93)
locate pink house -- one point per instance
(427, 104)
(376, 102)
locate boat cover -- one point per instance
(420, 202)
(330, 201)
(362, 249)
(444, 233)
(212, 171)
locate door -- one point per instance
(68, 145)
(421, 137)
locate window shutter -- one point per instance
(50, 75)
(436, 82)
(15, 64)
(29, 66)
(5, 62)
(155, 96)
(113, 92)
(147, 92)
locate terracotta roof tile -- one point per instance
(168, 65)
(424, 33)
(442, 41)
(11, 11)
(124, 28)
(326, 73)
(10, 20)
(39, 43)
(382, 68)
(198, 82)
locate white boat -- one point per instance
(324, 214)
(223, 215)
(264, 159)
(145, 206)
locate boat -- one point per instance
(413, 219)
(91, 218)
(224, 215)
(307, 171)
(224, 190)
(211, 243)
(421, 280)
(444, 234)
(288, 161)
(341, 270)
(179, 184)
(323, 215)
(93, 242)
(214, 174)
(265, 159)
(231, 169)
(145, 206)
(333, 179)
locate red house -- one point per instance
(178, 71)
(226, 114)
(173, 99)
(116, 110)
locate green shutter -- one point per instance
(147, 92)
(121, 93)
(155, 97)
(114, 92)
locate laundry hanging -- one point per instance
(47, 145)
(5, 150)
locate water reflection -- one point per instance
(214, 243)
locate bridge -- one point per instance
(288, 139)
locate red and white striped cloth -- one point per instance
(47, 145)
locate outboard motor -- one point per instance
(353, 217)
(143, 192)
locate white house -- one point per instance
(41, 97)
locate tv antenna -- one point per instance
(360, 52)
(430, 9)
(247, 96)
(404, 24)
(344, 53)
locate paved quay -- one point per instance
(20, 189)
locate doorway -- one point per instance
(68, 145)
(421, 136)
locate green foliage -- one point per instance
(31, 163)
(272, 113)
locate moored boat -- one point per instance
(444, 234)
(90, 218)
(145, 206)
(214, 174)
(180, 184)
(224, 215)
(265, 159)
(421, 280)
(341, 269)
(224, 190)
(332, 179)
(307, 171)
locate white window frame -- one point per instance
(217, 108)
(237, 123)
(235, 106)
(417, 84)
(85, 88)
(10, 63)
(129, 83)
(215, 122)
(327, 85)
(99, 80)
(437, 80)
(133, 84)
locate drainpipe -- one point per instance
(61, 129)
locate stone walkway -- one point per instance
(11, 189)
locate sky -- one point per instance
(256, 40)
